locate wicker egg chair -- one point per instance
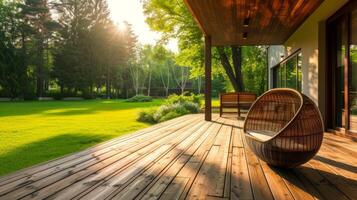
(284, 128)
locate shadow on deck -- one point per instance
(186, 158)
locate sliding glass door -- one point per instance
(342, 38)
(340, 53)
(353, 72)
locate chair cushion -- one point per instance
(229, 103)
(262, 135)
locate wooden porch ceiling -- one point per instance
(268, 22)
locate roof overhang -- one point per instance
(250, 22)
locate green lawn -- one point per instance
(34, 132)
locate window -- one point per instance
(287, 74)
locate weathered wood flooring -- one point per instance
(187, 158)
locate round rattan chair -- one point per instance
(284, 128)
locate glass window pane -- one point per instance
(291, 73)
(341, 39)
(353, 72)
(288, 74)
(299, 73)
(283, 75)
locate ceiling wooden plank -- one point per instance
(271, 21)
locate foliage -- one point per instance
(15, 78)
(175, 106)
(140, 98)
(174, 21)
(74, 48)
(68, 126)
(255, 69)
(90, 48)
(147, 116)
(186, 97)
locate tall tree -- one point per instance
(173, 20)
(37, 15)
(14, 74)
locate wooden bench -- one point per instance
(237, 100)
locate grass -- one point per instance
(34, 132)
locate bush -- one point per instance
(147, 116)
(140, 98)
(191, 107)
(170, 115)
(55, 94)
(186, 97)
(175, 106)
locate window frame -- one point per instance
(278, 69)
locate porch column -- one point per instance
(208, 86)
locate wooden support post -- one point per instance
(208, 86)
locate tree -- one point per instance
(91, 48)
(130, 56)
(181, 75)
(15, 78)
(173, 20)
(254, 67)
(36, 14)
(158, 64)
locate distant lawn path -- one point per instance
(34, 132)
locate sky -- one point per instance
(132, 12)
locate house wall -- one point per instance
(310, 38)
(276, 54)
(306, 38)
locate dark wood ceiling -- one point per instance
(270, 21)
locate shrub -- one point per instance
(175, 106)
(191, 107)
(170, 115)
(147, 116)
(162, 111)
(186, 97)
(55, 94)
(139, 98)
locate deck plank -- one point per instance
(71, 175)
(211, 178)
(144, 156)
(320, 183)
(158, 169)
(158, 186)
(118, 181)
(25, 173)
(276, 181)
(260, 186)
(189, 172)
(187, 158)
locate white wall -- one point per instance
(275, 53)
(306, 38)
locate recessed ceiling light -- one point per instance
(245, 35)
(246, 22)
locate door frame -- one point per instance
(344, 12)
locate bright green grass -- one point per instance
(34, 132)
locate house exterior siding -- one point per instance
(306, 38)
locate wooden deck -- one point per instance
(187, 158)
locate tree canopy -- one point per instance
(64, 48)
(173, 20)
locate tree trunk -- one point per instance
(199, 84)
(40, 79)
(62, 89)
(234, 72)
(107, 84)
(149, 86)
(227, 67)
(24, 61)
(237, 63)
